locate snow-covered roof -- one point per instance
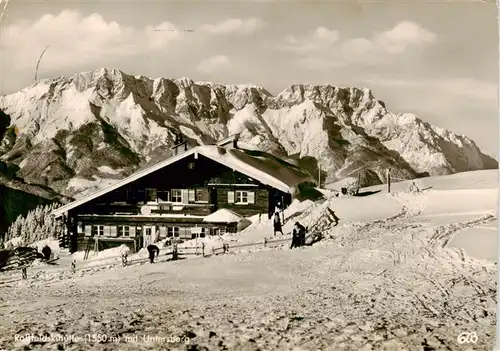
(258, 165)
(223, 216)
(273, 166)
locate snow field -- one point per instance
(385, 279)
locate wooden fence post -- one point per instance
(174, 253)
(24, 272)
(265, 242)
(124, 259)
(203, 249)
(73, 266)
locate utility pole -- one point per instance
(389, 180)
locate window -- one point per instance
(200, 234)
(191, 165)
(202, 195)
(241, 197)
(176, 195)
(80, 228)
(151, 195)
(173, 232)
(148, 231)
(123, 230)
(164, 196)
(244, 197)
(97, 230)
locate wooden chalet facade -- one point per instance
(171, 198)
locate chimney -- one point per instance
(180, 148)
(180, 145)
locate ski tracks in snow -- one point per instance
(390, 284)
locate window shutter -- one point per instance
(251, 197)
(107, 230)
(165, 196)
(185, 196)
(230, 197)
(205, 195)
(132, 231)
(114, 231)
(88, 230)
(191, 195)
(185, 232)
(163, 232)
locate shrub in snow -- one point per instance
(53, 244)
(46, 251)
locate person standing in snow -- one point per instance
(153, 250)
(281, 210)
(277, 223)
(302, 234)
(298, 235)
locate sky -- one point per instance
(438, 60)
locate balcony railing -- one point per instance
(200, 209)
(193, 209)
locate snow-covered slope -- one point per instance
(384, 278)
(98, 126)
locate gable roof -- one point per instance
(261, 166)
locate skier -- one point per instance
(153, 249)
(277, 223)
(332, 216)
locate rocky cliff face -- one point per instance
(76, 134)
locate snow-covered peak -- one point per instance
(107, 118)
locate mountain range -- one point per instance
(63, 137)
